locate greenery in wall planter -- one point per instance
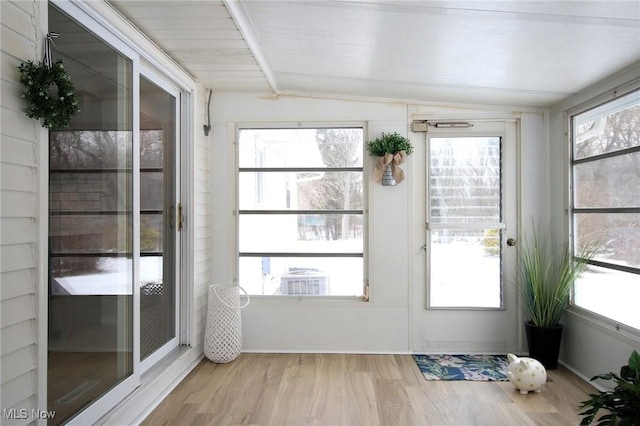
(392, 150)
(621, 402)
(546, 274)
(389, 143)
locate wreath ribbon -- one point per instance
(48, 41)
(390, 159)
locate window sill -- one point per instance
(606, 325)
(296, 299)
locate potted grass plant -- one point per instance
(546, 274)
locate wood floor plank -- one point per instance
(234, 401)
(354, 390)
(359, 389)
(271, 372)
(426, 407)
(383, 367)
(292, 402)
(407, 368)
(327, 389)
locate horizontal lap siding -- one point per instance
(18, 216)
(202, 230)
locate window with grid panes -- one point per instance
(300, 211)
(605, 211)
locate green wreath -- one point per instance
(49, 93)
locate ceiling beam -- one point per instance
(238, 14)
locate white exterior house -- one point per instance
(393, 320)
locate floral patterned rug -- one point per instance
(463, 367)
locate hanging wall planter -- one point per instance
(392, 151)
(387, 177)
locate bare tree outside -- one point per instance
(90, 173)
(611, 182)
(606, 206)
(465, 182)
(339, 190)
(301, 192)
(465, 206)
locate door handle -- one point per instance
(172, 217)
(511, 242)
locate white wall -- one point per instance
(282, 325)
(393, 319)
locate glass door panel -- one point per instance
(91, 223)
(465, 210)
(157, 218)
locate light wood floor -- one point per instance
(368, 390)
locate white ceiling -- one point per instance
(525, 53)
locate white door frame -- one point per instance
(176, 157)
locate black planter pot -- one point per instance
(544, 344)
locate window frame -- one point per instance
(363, 212)
(607, 98)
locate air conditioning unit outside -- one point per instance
(301, 281)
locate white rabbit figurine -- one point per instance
(526, 374)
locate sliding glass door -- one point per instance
(160, 219)
(91, 226)
(114, 221)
